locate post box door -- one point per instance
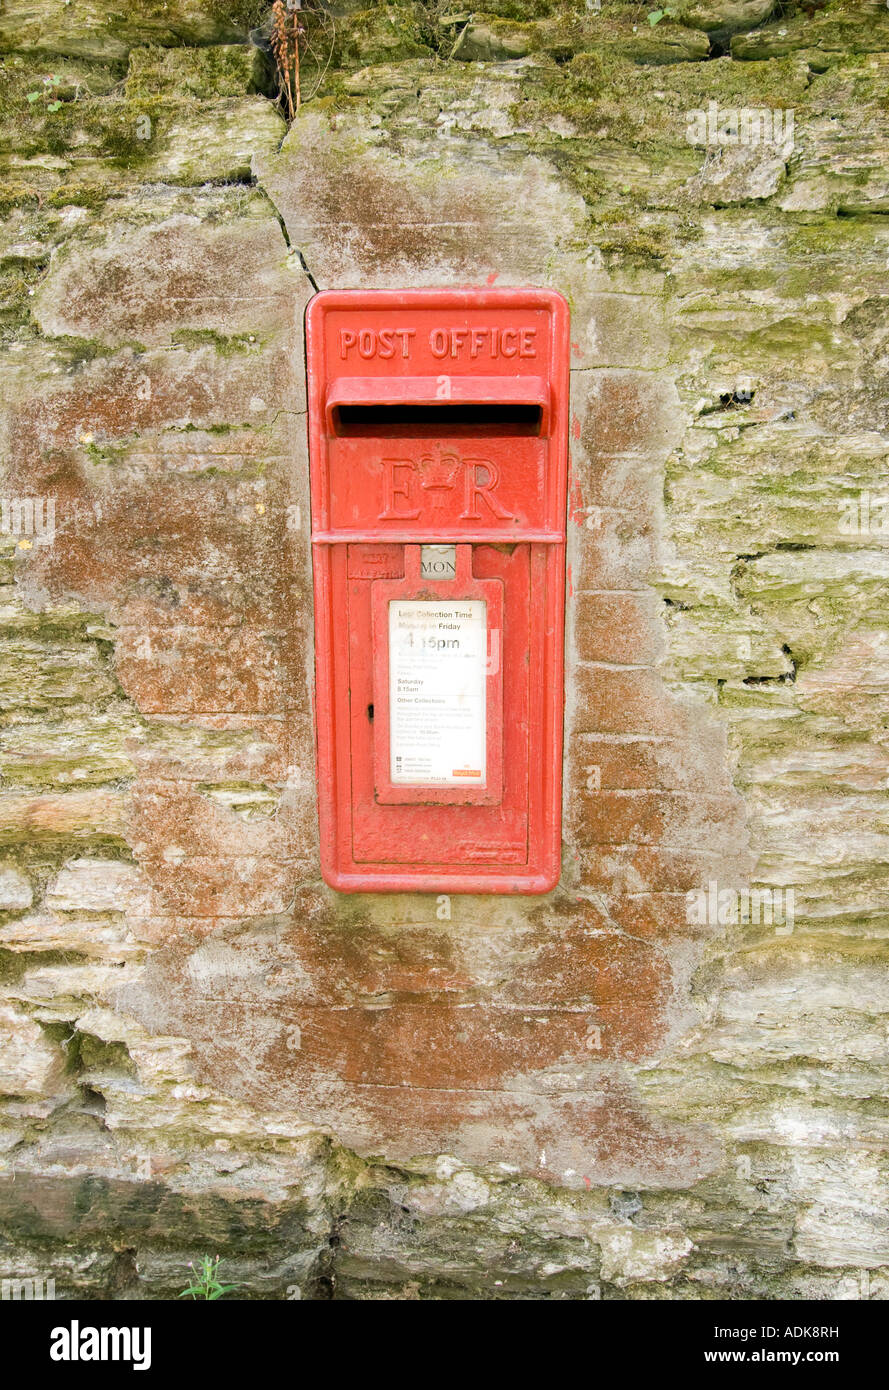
(438, 526)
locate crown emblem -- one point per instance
(439, 475)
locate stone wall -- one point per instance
(598, 1093)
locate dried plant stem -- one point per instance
(285, 36)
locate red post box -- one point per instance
(438, 447)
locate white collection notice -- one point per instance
(437, 666)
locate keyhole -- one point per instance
(370, 713)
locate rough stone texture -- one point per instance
(202, 1048)
(100, 32)
(29, 1064)
(15, 890)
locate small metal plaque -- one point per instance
(438, 561)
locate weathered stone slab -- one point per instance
(146, 284)
(223, 70)
(29, 1063)
(15, 890)
(99, 885)
(88, 30)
